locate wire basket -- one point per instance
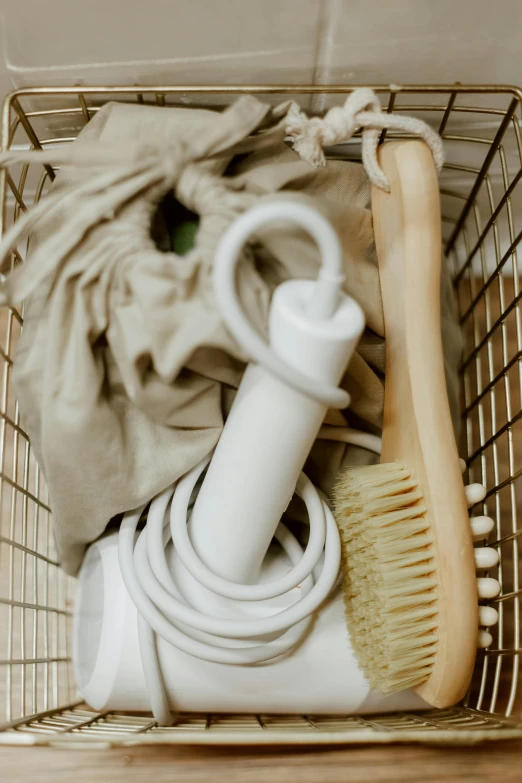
(482, 227)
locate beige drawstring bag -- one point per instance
(124, 370)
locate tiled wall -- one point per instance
(299, 41)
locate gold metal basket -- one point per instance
(482, 227)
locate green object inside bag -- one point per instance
(174, 227)
(183, 235)
(183, 226)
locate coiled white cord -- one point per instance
(162, 608)
(156, 595)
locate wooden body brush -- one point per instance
(409, 569)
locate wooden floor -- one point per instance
(498, 762)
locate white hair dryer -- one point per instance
(202, 610)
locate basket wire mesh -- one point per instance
(482, 228)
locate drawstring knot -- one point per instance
(361, 110)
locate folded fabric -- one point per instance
(124, 371)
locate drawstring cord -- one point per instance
(361, 110)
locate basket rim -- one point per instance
(463, 736)
(285, 738)
(334, 87)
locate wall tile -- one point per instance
(383, 41)
(101, 41)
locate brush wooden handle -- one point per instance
(417, 428)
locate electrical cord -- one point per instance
(321, 307)
(164, 611)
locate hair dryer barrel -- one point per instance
(269, 433)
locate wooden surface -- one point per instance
(498, 762)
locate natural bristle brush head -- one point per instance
(389, 574)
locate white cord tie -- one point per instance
(361, 110)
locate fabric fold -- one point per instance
(125, 370)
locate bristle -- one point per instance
(389, 574)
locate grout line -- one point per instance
(327, 18)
